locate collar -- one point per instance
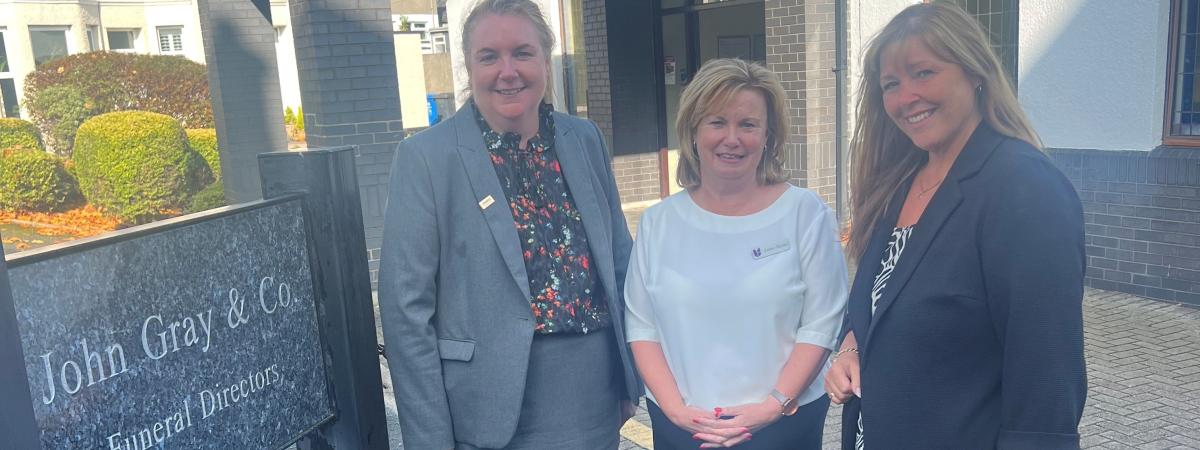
(494, 140)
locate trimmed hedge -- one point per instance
(60, 110)
(19, 133)
(204, 142)
(137, 165)
(110, 81)
(208, 198)
(33, 180)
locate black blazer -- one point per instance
(977, 341)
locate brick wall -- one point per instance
(1142, 219)
(637, 175)
(244, 85)
(347, 69)
(800, 49)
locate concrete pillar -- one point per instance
(347, 66)
(243, 78)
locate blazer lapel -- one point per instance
(865, 281)
(484, 184)
(978, 148)
(578, 174)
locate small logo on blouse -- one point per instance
(769, 250)
(486, 202)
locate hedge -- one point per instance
(204, 142)
(19, 133)
(33, 180)
(60, 110)
(137, 165)
(171, 85)
(208, 198)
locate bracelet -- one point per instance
(839, 353)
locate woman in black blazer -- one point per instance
(965, 326)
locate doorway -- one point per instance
(692, 32)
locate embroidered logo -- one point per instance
(770, 250)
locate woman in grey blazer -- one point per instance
(504, 261)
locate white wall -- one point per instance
(864, 18)
(1092, 74)
(411, 80)
(285, 56)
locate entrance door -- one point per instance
(693, 32)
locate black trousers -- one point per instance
(800, 431)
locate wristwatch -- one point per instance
(789, 404)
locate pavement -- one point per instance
(1143, 360)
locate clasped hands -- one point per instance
(725, 427)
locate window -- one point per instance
(170, 40)
(999, 20)
(1183, 98)
(48, 43)
(439, 43)
(8, 89)
(122, 40)
(93, 34)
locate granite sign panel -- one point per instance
(199, 333)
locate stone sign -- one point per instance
(200, 332)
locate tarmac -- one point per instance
(1143, 362)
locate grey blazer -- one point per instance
(453, 292)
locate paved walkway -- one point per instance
(1143, 360)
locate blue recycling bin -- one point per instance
(431, 105)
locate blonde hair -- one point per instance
(526, 9)
(713, 87)
(882, 156)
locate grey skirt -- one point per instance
(572, 394)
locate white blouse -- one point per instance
(728, 297)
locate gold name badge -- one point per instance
(486, 202)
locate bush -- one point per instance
(33, 180)
(208, 198)
(60, 110)
(19, 133)
(204, 142)
(137, 165)
(170, 85)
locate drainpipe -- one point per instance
(839, 141)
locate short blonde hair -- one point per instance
(713, 87)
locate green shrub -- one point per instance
(33, 180)
(109, 81)
(137, 165)
(289, 116)
(19, 133)
(59, 110)
(208, 198)
(204, 142)
(300, 118)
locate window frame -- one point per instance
(1175, 26)
(64, 29)
(7, 75)
(158, 31)
(135, 33)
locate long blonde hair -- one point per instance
(713, 87)
(882, 156)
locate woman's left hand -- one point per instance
(749, 417)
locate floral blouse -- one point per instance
(567, 297)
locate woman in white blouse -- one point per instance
(736, 286)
